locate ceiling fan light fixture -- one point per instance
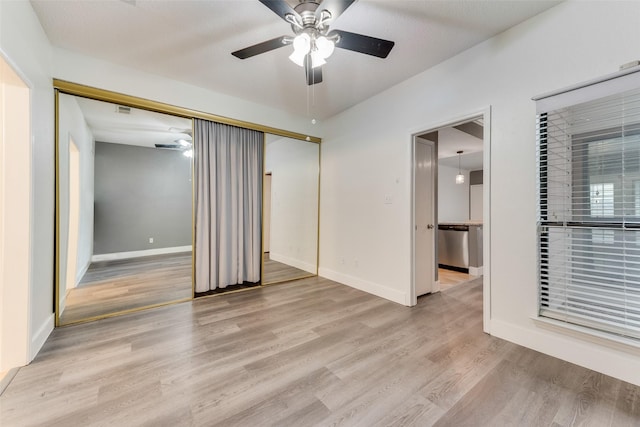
(316, 59)
(325, 46)
(301, 46)
(298, 58)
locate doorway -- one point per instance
(451, 206)
(74, 215)
(15, 195)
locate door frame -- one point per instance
(485, 115)
(17, 345)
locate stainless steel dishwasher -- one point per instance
(453, 246)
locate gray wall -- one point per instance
(140, 193)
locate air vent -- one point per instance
(122, 109)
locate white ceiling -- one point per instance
(192, 41)
(139, 127)
(451, 140)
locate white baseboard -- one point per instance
(82, 272)
(366, 286)
(475, 271)
(311, 268)
(40, 337)
(6, 377)
(138, 254)
(63, 302)
(616, 360)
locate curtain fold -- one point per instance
(228, 202)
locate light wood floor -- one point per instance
(449, 278)
(275, 271)
(115, 286)
(307, 353)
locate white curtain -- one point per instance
(228, 203)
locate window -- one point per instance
(602, 200)
(588, 148)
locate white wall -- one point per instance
(24, 43)
(453, 199)
(366, 154)
(72, 125)
(294, 202)
(81, 69)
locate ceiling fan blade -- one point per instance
(363, 44)
(263, 47)
(314, 75)
(280, 8)
(336, 7)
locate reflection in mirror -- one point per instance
(290, 209)
(124, 199)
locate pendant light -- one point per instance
(460, 176)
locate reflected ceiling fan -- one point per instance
(183, 144)
(312, 41)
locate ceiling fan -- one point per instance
(183, 144)
(312, 42)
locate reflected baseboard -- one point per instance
(293, 262)
(289, 279)
(137, 254)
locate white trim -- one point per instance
(475, 271)
(63, 302)
(82, 272)
(366, 286)
(591, 82)
(485, 114)
(21, 342)
(20, 74)
(598, 337)
(40, 337)
(6, 378)
(306, 266)
(615, 359)
(138, 254)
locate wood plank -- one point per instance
(115, 286)
(310, 352)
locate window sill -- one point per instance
(613, 341)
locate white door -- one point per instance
(266, 208)
(425, 231)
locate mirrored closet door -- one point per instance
(290, 209)
(124, 203)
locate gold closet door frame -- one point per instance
(69, 88)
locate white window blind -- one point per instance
(588, 147)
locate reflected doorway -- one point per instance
(124, 209)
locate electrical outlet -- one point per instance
(150, 239)
(388, 199)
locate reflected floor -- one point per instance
(275, 271)
(114, 286)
